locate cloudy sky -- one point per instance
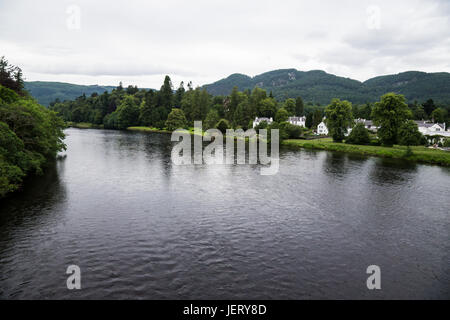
(138, 42)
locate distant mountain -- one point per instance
(46, 92)
(320, 87)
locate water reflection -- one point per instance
(141, 227)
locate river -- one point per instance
(140, 227)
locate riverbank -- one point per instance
(420, 154)
(84, 125)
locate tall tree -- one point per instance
(166, 94)
(429, 107)
(339, 118)
(299, 107)
(389, 114)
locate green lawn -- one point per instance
(148, 129)
(420, 154)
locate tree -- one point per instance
(359, 135)
(211, 119)
(267, 108)
(317, 118)
(30, 136)
(282, 115)
(309, 120)
(242, 114)
(339, 118)
(176, 120)
(418, 111)
(389, 114)
(439, 115)
(223, 125)
(127, 113)
(166, 93)
(290, 107)
(429, 107)
(179, 95)
(299, 107)
(409, 134)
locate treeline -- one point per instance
(125, 107)
(30, 134)
(131, 106)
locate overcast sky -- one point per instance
(138, 42)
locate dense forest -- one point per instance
(30, 134)
(320, 87)
(131, 106)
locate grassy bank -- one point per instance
(148, 129)
(420, 154)
(84, 125)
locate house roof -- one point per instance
(424, 124)
(297, 118)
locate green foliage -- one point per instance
(211, 119)
(309, 121)
(267, 108)
(223, 125)
(290, 131)
(409, 135)
(290, 107)
(317, 117)
(176, 120)
(446, 143)
(11, 76)
(439, 115)
(195, 104)
(127, 113)
(30, 135)
(390, 113)
(299, 107)
(339, 118)
(282, 115)
(359, 135)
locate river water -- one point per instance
(140, 227)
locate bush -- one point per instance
(359, 135)
(291, 131)
(446, 143)
(409, 134)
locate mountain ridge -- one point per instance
(318, 86)
(315, 86)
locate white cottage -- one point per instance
(432, 129)
(297, 121)
(322, 129)
(259, 120)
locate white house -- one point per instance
(297, 121)
(322, 129)
(432, 129)
(259, 120)
(368, 124)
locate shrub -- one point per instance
(359, 135)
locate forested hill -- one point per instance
(46, 92)
(320, 87)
